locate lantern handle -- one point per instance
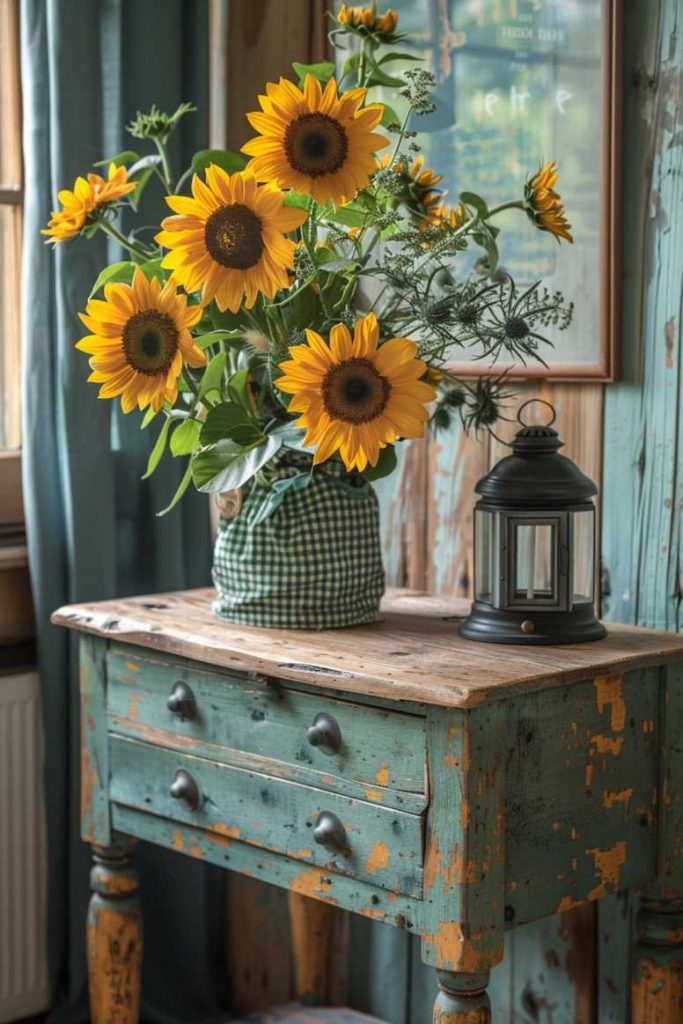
(540, 401)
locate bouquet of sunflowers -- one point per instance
(303, 296)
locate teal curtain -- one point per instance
(93, 533)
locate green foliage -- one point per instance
(227, 465)
(323, 70)
(229, 161)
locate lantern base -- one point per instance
(496, 626)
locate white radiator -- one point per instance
(23, 960)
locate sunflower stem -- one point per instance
(165, 164)
(114, 233)
(513, 204)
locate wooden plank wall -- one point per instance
(626, 436)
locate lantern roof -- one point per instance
(535, 475)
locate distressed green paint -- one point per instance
(642, 484)
(360, 897)
(465, 845)
(670, 866)
(583, 768)
(384, 846)
(95, 823)
(382, 750)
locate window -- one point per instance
(10, 228)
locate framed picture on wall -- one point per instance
(519, 83)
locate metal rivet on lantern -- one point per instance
(527, 626)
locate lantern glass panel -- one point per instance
(534, 562)
(484, 556)
(583, 545)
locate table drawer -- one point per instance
(379, 748)
(382, 846)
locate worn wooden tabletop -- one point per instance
(413, 653)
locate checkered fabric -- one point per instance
(314, 562)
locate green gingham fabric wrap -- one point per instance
(314, 563)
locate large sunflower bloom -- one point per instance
(228, 238)
(140, 339)
(356, 396)
(87, 195)
(317, 142)
(544, 205)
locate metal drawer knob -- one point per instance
(325, 733)
(186, 790)
(181, 701)
(329, 832)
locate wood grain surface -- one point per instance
(412, 654)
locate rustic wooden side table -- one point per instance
(449, 788)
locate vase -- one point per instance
(302, 552)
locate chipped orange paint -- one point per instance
(299, 854)
(131, 666)
(373, 794)
(657, 991)
(608, 692)
(623, 796)
(451, 761)
(608, 865)
(648, 725)
(556, 826)
(374, 913)
(382, 776)
(313, 883)
(195, 850)
(588, 776)
(133, 709)
(378, 858)
(567, 903)
(432, 865)
(514, 886)
(178, 841)
(607, 745)
(456, 953)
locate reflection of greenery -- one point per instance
(465, 141)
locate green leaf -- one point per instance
(158, 449)
(486, 240)
(143, 164)
(214, 337)
(153, 268)
(277, 495)
(389, 116)
(291, 436)
(379, 77)
(126, 157)
(229, 421)
(224, 158)
(299, 200)
(148, 417)
(185, 438)
(350, 214)
(213, 374)
(350, 64)
(339, 265)
(476, 202)
(184, 484)
(115, 272)
(322, 70)
(227, 465)
(386, 464)
(393, 55)
(237, 388)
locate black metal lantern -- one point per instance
(534, 547)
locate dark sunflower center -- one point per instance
(150, 341)
(516, 328)
(316, 144)
(233, 236)
(355, 392)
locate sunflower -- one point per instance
(315, 141)
(419, 186)
(544, 205)
(87, 195)
(140, 339)
(229, 238)
(443, 216)
(356, 396)
(367, 18)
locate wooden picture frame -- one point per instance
(444, 40)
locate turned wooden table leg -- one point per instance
(657, 978)
(311, 923)
(462, 998)
(114, 938)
